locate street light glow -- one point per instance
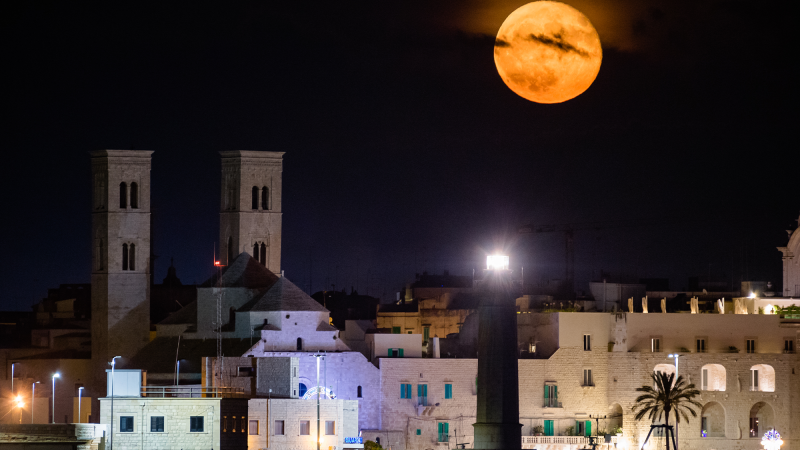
(497, 262)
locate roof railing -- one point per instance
(191, 392)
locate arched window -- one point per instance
(124, 256)
(255, 251)
(134, 195)
(132, 257)
(263, 254)
(713, 378)
(265, 198)
(358, 394)
(712, 420)
(230, 250)
(123, 195)
(303, 389)
(299, 344)
(615, 416)
(762, 378)
(762, 418)
(255, 197)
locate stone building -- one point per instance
(791, 264)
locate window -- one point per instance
(548, 428)
(448, 390)
(358, 392)
(255, 251)
(224, 424)
(246, 371)
(587, 342)
(587, 377)
(299, 344)
(419, 432)
(788, 345)
(123, 195)
(330, 427)
(700, 344)
(265, 198)
(157, 424)
(132, 257)
(395, 330)
(410, 332)
(551, 396)
(751, 346)
(303, 389)
(124, 256)
(395, 353)
(754, 379)
(196, 424)
(422, 394)
(134, 195)
(278, 428)
(253, 427)
(126, 424)
(305, 428)
(655, 345)
(444, 431)
(405, 391)
(426, 334)
(263, 254)
(255, 198)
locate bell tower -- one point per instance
(250, 207)
(120, 255)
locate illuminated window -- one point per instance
(123, 195)
(265, 198)
(124, 256)
(134, 195)
(255, 198)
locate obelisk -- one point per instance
(497, 425)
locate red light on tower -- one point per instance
(216, 263)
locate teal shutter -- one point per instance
(419, 432)
(546, 391)
(390, 353)
(401, 352)
(446, 428)
(548, 427)
(588, 428)
(441, 427)
(408, 390)
(425, 390)
(402, 391)
(555, 392)
(448, 390)
(419, 390)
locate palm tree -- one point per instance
(669, 395)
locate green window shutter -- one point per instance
(395, 330)
(419, 390)
(588, 428)
(555, 392)
(390, 353)
(448, 390)
(546, 391)
(419, 432)
(446, 428)
(401, 352)
(402, 391)
(548, 427)
(408, 390)
(440, 427)
(425, 390)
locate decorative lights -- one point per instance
(772, 440)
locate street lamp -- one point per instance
(33, 396)
(55, 375)
(178, 377)
(12, 378)
(80, 391)
(20, 404)
(111, 436)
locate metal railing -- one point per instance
(552, 403)
(554, 440)
(191, 392)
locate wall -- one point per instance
(380, 344)
(343, 412)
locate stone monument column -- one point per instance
(497, 425)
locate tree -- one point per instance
(372, 445)
(669, 395)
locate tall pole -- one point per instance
(111, 436)
(55, 375)
(317, 356)
(33, 397)
(676, 356)
(178, 378)
(80, 391)
(12, 379)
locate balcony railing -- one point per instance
(552, 403)
(529, 441)
(191, 392)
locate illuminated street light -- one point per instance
(55, 375)
(80, 391)
(20, 404)
(33, 396)
(113, 363)
(497, 262)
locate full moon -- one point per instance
(547, 52)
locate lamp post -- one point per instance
(12, 378)
(33, 396)
(676, 356)
(55, 375)
(178, 377)
(596, 430)
(111, 436)
(20, 404)
(80, 391)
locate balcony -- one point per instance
(552, 403)
(528, 442)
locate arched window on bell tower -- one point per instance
(132, 257)
(265, 198)
(255, 197)
(134, 195)
(255, 251)
(263, 254)
(123, 195)
(124, 256)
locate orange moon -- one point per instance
(547, 52)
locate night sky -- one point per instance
(405, 152)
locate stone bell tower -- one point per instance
(250, 207)
(120, 255)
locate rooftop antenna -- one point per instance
(218, 324)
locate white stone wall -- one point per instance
(344, 413)
(303, 325)
(379, 345)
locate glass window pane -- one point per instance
(278, 428)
